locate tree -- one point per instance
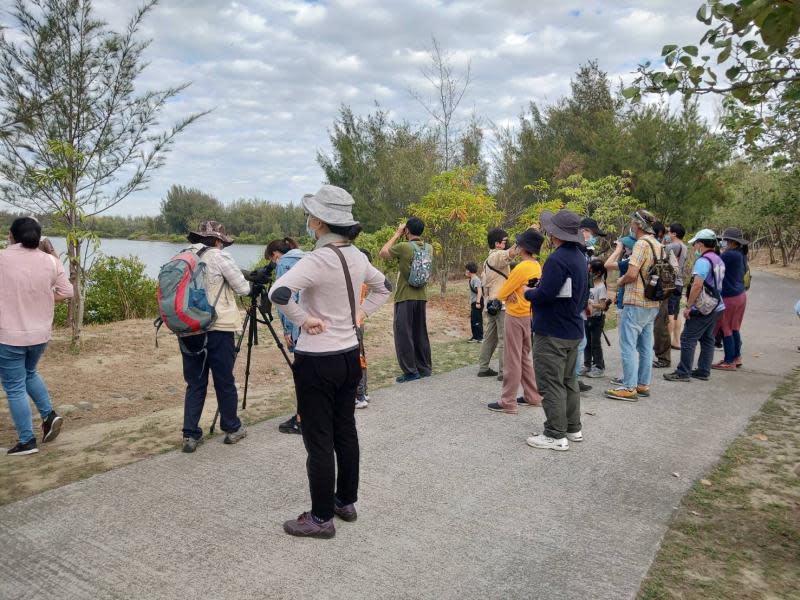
(449, 88)
(757, 44)
(457, 213)
(471, 146)
(184, 207)
(83, 138)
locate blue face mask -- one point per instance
(311, 233)
(698, 254)
(667, 238)
(591, 242)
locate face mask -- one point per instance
(631, 232)
(591, 241)
(698, 254)
(723, 244)
(667, 238)
(311, 233)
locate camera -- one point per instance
(262, 276)
(533, 282)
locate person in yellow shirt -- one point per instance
(518, 366)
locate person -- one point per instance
(475, 302)
(618, 260)
(412, 347)
(517, 343)
(327, 367)
(362, 393)
(636, 320)
(662, 344)
(495, 273)
(708, 272)
(679, 250)
(31, 282)
(595, 324)
(591, 232)
(734, 295)
(284, 254)
(558, 328)
(214, 351)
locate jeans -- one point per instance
(581, 349)
(20, 380)
(636, 345)
(493, 339)
(698, 328)
(554, 364)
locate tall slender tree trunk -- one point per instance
(781, 245)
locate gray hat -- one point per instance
(331, 205)
(564, 225)
(735, 234)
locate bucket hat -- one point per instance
(531, 240)
(565, 225)
(590, 224)
(210, 229)
(645, 219)
(704, 234)
(331, 205)
(735, 234)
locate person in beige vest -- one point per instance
(214, 350)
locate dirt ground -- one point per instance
(761, 262)
(122, 398)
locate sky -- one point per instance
(275, 72)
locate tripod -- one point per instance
(259, 304)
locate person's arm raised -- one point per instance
(386, 251)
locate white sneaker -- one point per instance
(545, 442)
(362, 404)
(575, 437)
(584, 371)
(596, 373)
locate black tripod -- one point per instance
(259, 303)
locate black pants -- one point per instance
(326, 389)
(593, 353)
(411, 337)
(698, 328)
(476, 320)
(219, 359)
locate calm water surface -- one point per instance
(155, 254)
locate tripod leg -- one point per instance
(268, 322)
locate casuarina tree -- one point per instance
(81, 137)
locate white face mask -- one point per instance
(723, 244)
(311, 233)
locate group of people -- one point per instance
(547, 321)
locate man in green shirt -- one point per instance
(410, 323)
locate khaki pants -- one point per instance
(493, 333)
(518, 364)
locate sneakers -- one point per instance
(290, 426)
(623, 393)
(584, 370)
(361, 403)
(522, 402)
(346, 512)
(51, 427)
(675, 376)
(575, 437)
(24, 449)
(596, 373)
(474, 341)
(406, 377)
(487, 373)
(661, 364)
(643, 390)
(496, 407)
(617, 381)
(544, 442)
(723, 366)
(583, 387)
(306, 526)
(190, 444)
(235, 436)
(701, 376)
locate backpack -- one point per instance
(661, 277)
(710, 296)
(421, 265)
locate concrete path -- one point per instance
(453, 504)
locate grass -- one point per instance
(737, 533)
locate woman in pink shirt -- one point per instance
(31, 282)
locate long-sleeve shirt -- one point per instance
(224, 280)
(493, 281)
(511, 292)
(28, 280)
(319, 278)
(286, 262)
(554, 316)
(735, 267)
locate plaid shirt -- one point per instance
(643, 258)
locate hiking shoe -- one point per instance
(700, 375)
(661, 364)
(545, 442)
(596, 373)
(362, 404)
(487, 373)
(584, 370)
(474, 341)
(496, 407)
(346, 512)
(405, 377)
(190, 444)
(723, 366)
(235, 436)
(643, 390)
(583, 387)
(617, 381)
(290, 426)
(675, 376)
(51, 427)
(522, 402)
(306, 526)
(24, 449)
(623, 393)
(575, 437)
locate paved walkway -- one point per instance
(453, 503)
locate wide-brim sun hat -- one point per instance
(530, 240)
(645, 219)
(735, 234)
(590, 224)
(331, 205)
(564, 225)
(210, 229)
(704, 234)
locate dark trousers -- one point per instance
(662, 343)
(476, 321)
(219, 359)
(593, 353)
(326, 387)
(411, 337)
(554, 364)
(698, 328)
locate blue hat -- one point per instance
(628, 241)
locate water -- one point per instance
(155, 254)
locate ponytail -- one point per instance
(350, 232)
